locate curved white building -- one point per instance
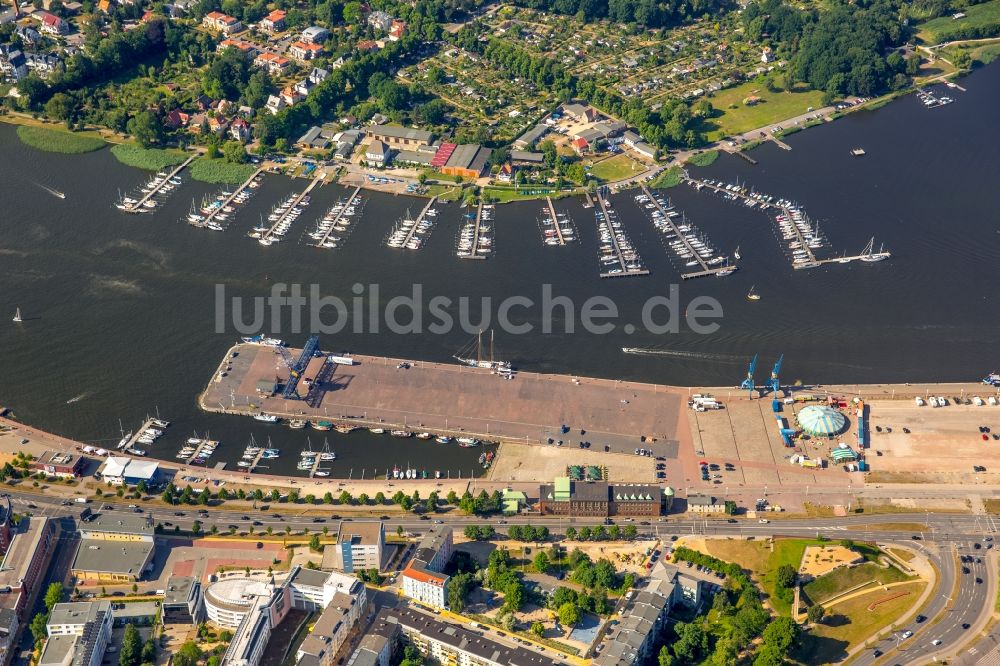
(228, 601)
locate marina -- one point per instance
(282, 217)
(475, 238)
(684, 240)
(410, 233)
(213, 214)
(150, 430)
(197, 450)
(557, 228)
(617, 255)
(931, 101)
(152, 193)
(333, 227)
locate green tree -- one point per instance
(692, 642)
(314, 544)
(38, 630)
(187, 655)
(234, 152)
(538, 629)
(131, 648)
(815, 613)
(53, 595)
(146, 128)
(541, 562)
(570, 533)
(345, 497)
(569, 614)
(785, 576)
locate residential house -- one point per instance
(396, 30)
(522, 158)
(318, 75)
(28, 35)
(580, 112)
(274, 64)
(275, 103)
(315, 139)
(274, 22)
(51, 24)
(531, 137)
(241, 130)
(698, 503)
(366, 45)
(291, 95)
(105, 6)
(176, 118)
(377, 154)
(304, 87)
(766, 54)
(315, 35)
(42, 64)
(506, 173)
(304, 51)
(13, 65)
(423, 578)
(223, 23)
(246, 47)
(380, 20)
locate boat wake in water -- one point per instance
(76, 398)
(674, 353)
(55, 193)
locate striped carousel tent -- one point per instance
(821, 421)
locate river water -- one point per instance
(121, 310)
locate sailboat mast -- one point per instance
(479, 348)
(491, 346)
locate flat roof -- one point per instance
(365, 532)
(116, 522)
(78, 612)
(179, 589)
(58, 650)
(59, 459)
(120, 557)
(21, 553)
(312, 577)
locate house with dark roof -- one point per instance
(599, 499)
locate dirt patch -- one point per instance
(820, 560)
(531, 462)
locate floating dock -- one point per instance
(705, 269)
(323, 241)
(227, 202)
(413, 237)
(134, 439)
(140, 205)
(559, 236)
(268, 237)
(471, 249)
(607, 218)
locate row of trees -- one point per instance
(645, 13)
(602, 533)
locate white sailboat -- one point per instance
(869, 255)
(17, 316)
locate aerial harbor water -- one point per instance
(120, 319)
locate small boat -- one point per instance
(322, 425)
(159, 424)
(17, 316)
(425, 435)
(124, 440)
(466, 442)
(752, 295)
(401, 433)
(265, 418)
(377, 431)
(296, 424)
(321, 473)
(737, 254)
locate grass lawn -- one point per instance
(772, 107)
(905, 555)
(219, 171)
(151, 159)
(704, 159)
(59, 141)
(983, 18)
(845, 578)
(671, 177)
(618, 167)
(762, 562)
(528, 192)
(850, 623)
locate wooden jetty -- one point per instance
(134, 439)
(705, 269)
(228, 201)
(420, 218)
(625, 271)
(336, 220)
(590, 200)
(201, 446)
(474, 254)
(140, 205)
(268, 235)
(555, 221)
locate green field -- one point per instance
(980, 21)
(773, 107)
(844, 578)
(850, 623)
(59, 141)
(704, 159)
(219, 171)
(616, 168)
(671, 177)
(151, 159)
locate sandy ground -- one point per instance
(529, 462)
(820, 560)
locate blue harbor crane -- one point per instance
(748, 383)
(297, 366)
(773, 383)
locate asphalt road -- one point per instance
(938, 536)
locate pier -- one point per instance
(705, 268)
(555, 221)
(140, 205)
(590, 201)
(133, 440)
(737, 193)
(624, 270)
(227, 202)
(267, 237)
(412, 238)
(336, 220)
(202, 445)
(473, 252)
